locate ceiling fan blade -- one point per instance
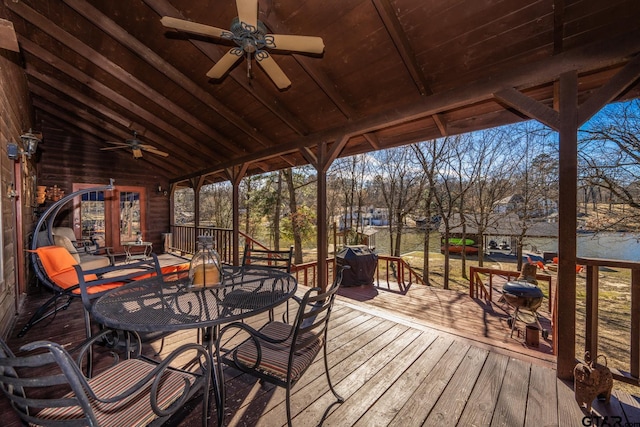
(137, 153)
(114, 148)
(224, 64)
(153, 150)
(248, 11)
(192, 27)
(307, 44)
(273, 70)
(119, 144)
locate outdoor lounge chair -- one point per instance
(56, 269)
(88, 255)
(280, 353)
(49, 388)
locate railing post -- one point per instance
(472, 282)
(591, 322)
(635, 323)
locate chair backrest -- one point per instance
(94, 283)
(311, 324)
(268, 258)
(26, 380)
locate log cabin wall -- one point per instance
(17, 212)
(66, 160)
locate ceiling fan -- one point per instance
(136, 146)
(252, 39)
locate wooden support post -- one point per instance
(567, 224)
(235, 175)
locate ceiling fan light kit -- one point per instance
(251, 38)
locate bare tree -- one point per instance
(492, 182)
(401, 184)
(535, 173)
(610, 158)
(428, 154)
(350, 180)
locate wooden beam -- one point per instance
(438, 119)
(529, 106)
(92, 130)
(394, 28)
(89, 104)
(591, 57)
(115, 97)
(107, 25)
(113, 69)
(8, 39)
(558, 26)
(321, 214)
(372, 139)
(565, 338)
(310, 157)
(607, 93)
(274, 22)
(334, 152)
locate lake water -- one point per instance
(622, 246)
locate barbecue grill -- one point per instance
(523, 296)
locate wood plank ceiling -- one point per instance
(393, 72)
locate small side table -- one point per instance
(147, 248)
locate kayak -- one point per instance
(455, 241)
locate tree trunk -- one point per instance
(293, 207)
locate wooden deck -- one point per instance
(394, 369)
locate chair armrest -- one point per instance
(129, 345)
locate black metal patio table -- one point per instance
(167, 303)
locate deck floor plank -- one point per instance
(512, 401)
(425, 396)
(394, 398)
(484, 397)
(367, 395)
(453, 399)
(542, 390)
(422, 356)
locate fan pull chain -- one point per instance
(249, 65)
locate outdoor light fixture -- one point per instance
(30, 141)
(161, 191)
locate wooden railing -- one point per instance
(388, 268)
(478, 288)
(592, 302)
(184, 239)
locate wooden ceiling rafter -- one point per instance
(117, 72)
(118, 33)
(105, 91)
(596, 55)
(92, 132)
(558, 25)
(373, 141)
(83, 107)
(403, 46)
(274, 22)
(213, 52)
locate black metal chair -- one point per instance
(280, 260)
(280, 353)
(268, 258)
(46, 385)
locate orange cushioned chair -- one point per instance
(60, 271)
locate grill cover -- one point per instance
(363, 262)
